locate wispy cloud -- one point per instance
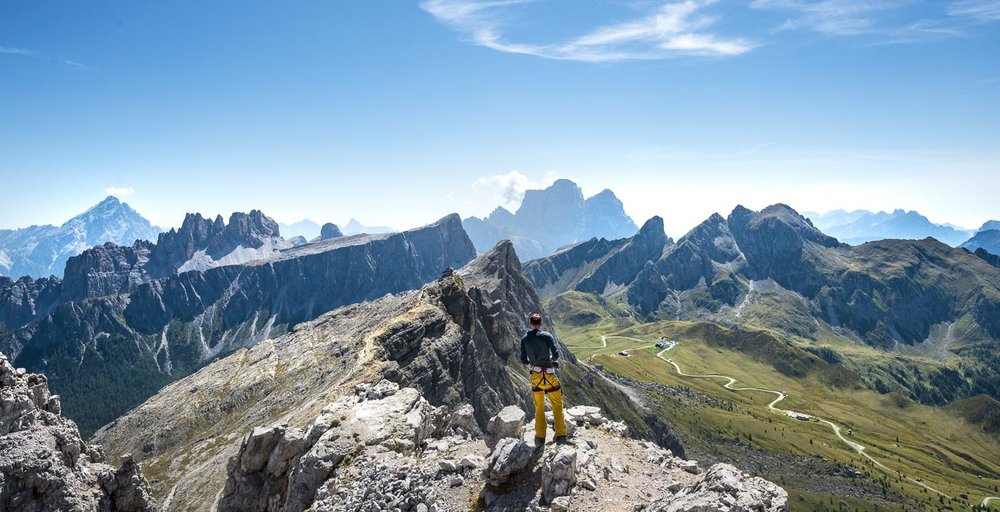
(119, 192)
(833, 17)
(76, 65)
(510, 187)
(883, 21)
(673, 29)
(982, 10)
(9, 50)
(15, 51)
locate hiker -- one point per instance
(539, 353)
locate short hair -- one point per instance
(535, 319)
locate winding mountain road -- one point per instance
(779, 396)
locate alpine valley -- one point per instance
(755, 363)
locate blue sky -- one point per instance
(399, 112)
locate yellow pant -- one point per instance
(543, 384)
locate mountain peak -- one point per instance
(564, 183)
(110, 200)
(329, 230)
(652, 226)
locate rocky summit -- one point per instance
(343, 409)
(386, 448)
(44, 463)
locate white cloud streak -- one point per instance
(15, 51)
(982, 10)
(76, 65)
(674, 29)
(25, 52)
(880, 19)
(119, 192)
(833, 17)
(510, 187)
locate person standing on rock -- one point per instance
(539, 353)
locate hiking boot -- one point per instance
(539, 442)
(562, 440)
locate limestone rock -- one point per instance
(283, 469)
(560, 504)
(46, 465)
(463, 420)
(509, 457)
(558, 473)
(509, 422)
(723, 487)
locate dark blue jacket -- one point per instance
(539, 348)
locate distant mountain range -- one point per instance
(550, 219)
(305, 228)
(988, 240)
(42, 251)
(130, 319)
(310, 230)
(860, 226)
(775, 270)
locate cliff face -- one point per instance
(453, 341)
(46, 465)
(169, 327)
(111, 268)
(598, 265)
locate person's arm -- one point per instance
(524, 353)
(552, 347)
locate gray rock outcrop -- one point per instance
(559, 473)
(509, 422)
(723, 487)
(280, 468)
(45, 464)
(509, 457)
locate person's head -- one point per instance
(535, 321)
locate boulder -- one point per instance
(463, 420)
(509, 456)
(509, 422)
(558, 473)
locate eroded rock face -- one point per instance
(723, 487)
(46, 465)
(281, 468)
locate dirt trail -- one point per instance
(779, 396)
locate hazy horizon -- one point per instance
(673, 227)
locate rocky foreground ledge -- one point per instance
(385, 448)
(45, 464)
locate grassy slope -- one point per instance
(935, 445)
